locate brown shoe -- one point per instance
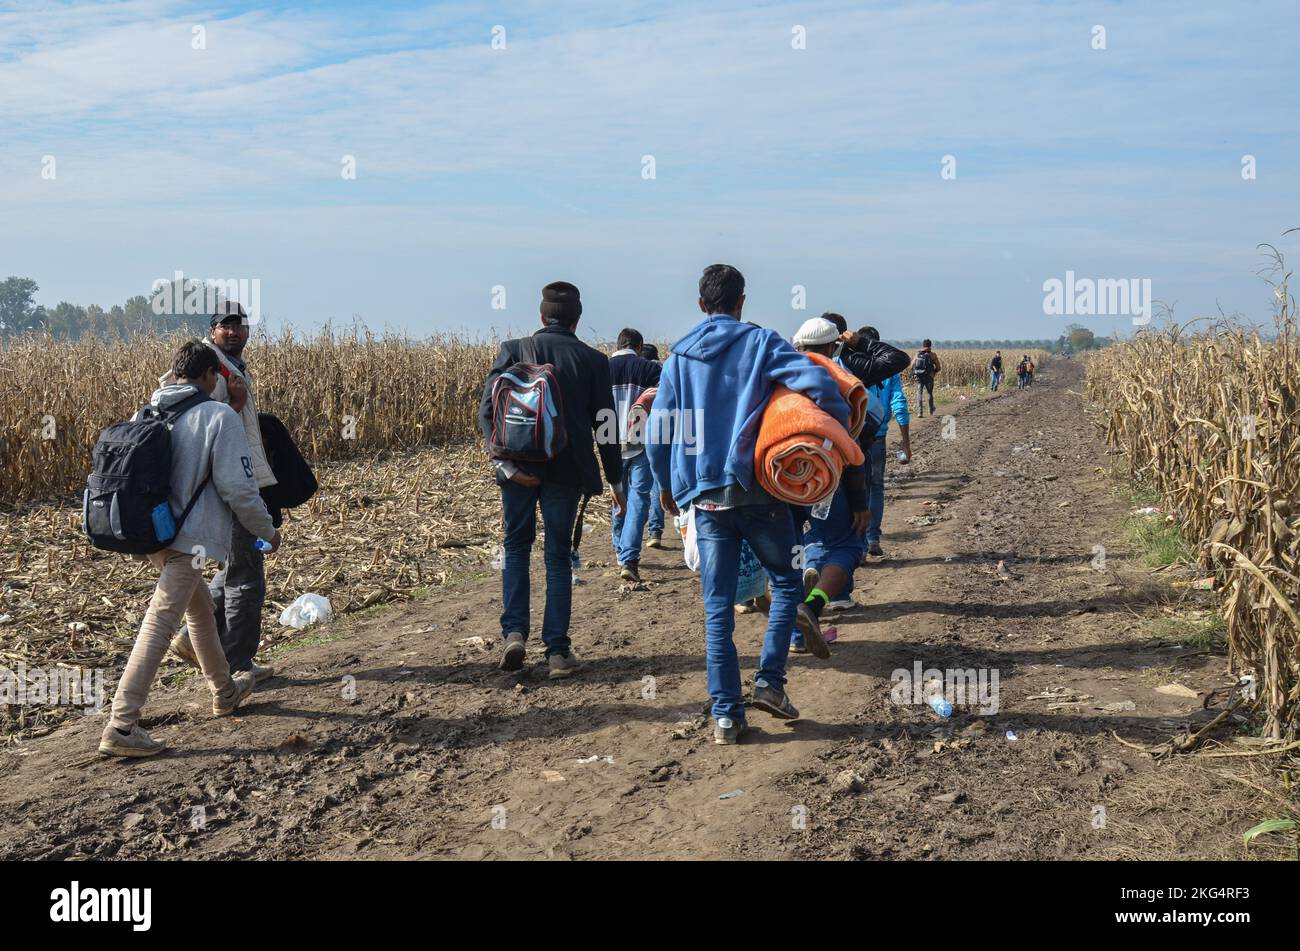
(228, 701)
(135, 744)
(184, 651)
(562, 665)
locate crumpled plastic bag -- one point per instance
(308, 609)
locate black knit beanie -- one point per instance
(561, 301)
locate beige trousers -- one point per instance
(181, 592)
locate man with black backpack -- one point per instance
(211, 474)
(925, 365)
(542, 401)
(239, 588)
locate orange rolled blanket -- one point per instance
(801, 449)
(851, 388)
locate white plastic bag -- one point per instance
(308, 609)
(690, 544)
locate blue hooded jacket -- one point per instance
(712, 392)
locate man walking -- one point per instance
(211, 465)
(885, 381)
(239, 588)
(995, 371)
(701, 438)
(555, 486)
(656, 522)
(925, 366)
(630, 375)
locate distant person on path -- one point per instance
(893, 402)
(656, 523)
(211, 464)
(239, 588)
(995, 371)
(630, 375)
(556, 484)
(1029, 370)
(925, 366)
(701, 438)
(1022, 372)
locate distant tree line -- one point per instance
(140, 315)
(1075, 340)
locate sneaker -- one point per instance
(842, 604)
(184, 651)
(875, 549)
(797, 646)
(746, 607)
(656, 541)
(228, 701)
(763, 602)
(727, 732)
(811, 630)
(773, 701)
(135, 744)
(512, 658)
(261, 672)
(810, 578)
(631, 571)
(562, 665)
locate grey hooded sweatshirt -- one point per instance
(210, 437)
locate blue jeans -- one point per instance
(656, 510)
(626, 527)
(769, 529)
(876, 488)
(559, 504)
(995, 377)
(832, 541)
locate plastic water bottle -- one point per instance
(261, 545)
(940, 705)
(821, 510)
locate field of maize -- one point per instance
(343, 396)
(1210, 420)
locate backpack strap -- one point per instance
(169, 417)
(577, 526)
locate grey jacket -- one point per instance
(210, 437)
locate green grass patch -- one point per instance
(1157, 542)
(1207, 632)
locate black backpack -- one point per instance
(295, 483)
(921, 365)
(125, 507)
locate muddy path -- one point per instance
(394, 735)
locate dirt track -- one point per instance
(442, 755)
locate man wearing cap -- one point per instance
(239, 588)
(554, 486)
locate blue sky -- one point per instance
(817, 167)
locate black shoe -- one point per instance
(811, 629)
(512, 658)
(874, 549)
(775, 702)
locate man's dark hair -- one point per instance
(721, 287)
(871, 333)
(925, 342)
(840, 323)
(629, 339)
(649, 351)
(194, 359)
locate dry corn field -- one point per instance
(1210, 421)
(342, 396)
